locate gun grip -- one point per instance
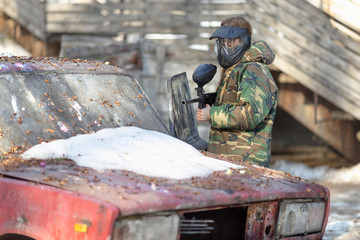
(201, 105)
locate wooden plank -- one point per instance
(330, 61)
(300, 38)
(345, 30)
(356, 2)
(95, 29)
(152, 17)
(315, 30)
(170, 6)
(33, 7)
(77, 51)
(24, 12)
(324, 24)
(350, 108)
(307, 75)
(114, 29)
(345, 11)
(202, 1)
(314, 159)
(114, 19)
(298, 73)
(175, 46)
(25, 17)
(89, 18)
(302, 59)
(23, 37)
(163, 6)
(338, 133)
(311, 17)
(168, 22)
(165, 1)
(68, 7)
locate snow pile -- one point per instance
(344, 175)
(323, 173)
(301, 170)
(130, 148)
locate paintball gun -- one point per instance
(202, 75)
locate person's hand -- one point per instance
(203, 114)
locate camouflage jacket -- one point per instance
(243, 114)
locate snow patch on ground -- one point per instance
(301, 170)
(324, 173)
(134, 149)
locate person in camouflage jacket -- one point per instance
(243, 114)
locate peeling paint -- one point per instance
(63, 127)
(14, 104)
(77, 108)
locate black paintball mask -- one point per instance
(229, 55)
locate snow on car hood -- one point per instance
(134, 149)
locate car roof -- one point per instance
(30, 64)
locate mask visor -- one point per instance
(229, 32)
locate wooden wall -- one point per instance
(311, 51)
(317, 42)
(343, 12)
(30, 14)
(179, 17)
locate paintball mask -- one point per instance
(227, 54)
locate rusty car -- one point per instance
(46, 99)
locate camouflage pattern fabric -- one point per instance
(244, 111)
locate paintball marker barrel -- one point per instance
(209, 98)
(194, 100)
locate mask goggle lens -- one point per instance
(228, 42)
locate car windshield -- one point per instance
(41, 106)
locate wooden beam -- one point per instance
(312, 156)
(30, 14)
(345, 11)
(321, 118)
(37, 47)
(311, 69)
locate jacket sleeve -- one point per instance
(255, 98)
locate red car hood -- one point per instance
(133, 193)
